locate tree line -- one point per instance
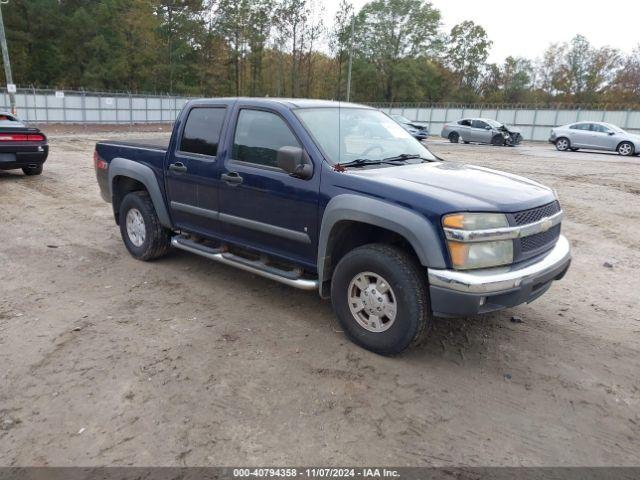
(290, 48)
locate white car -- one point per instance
(595, 136)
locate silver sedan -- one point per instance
(595, 136)
(481, 130)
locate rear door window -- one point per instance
(201, 133)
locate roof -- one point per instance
(290, 102)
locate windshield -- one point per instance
(493, 123)
(348, 134)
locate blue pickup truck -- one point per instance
(340, 199)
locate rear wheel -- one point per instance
(454, 137)
(563, 144)
(626, 149)
(141, 231)
(35, 170)
(380, 297)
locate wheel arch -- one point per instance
(350, 221)
(128, 176)
(633, 146)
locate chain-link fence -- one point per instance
(72, 106)
(78, 106)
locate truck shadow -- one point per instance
(450, 339)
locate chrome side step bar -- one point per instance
(288, 277)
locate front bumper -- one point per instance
(460, 293)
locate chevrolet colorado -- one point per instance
(337, 198)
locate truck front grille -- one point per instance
(533, 245)
(535, 214)
(540, 240)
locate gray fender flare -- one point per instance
(121, 167)
(415, 228)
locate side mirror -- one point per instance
(487, 127)
(611, 132)
(295, 161)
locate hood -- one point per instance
(443, 187)
(511, 129)
(418, 125)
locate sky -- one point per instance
(526, 28)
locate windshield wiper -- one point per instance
(404, 156)
(359, 162)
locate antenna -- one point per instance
(353, 22)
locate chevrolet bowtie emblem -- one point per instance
(546, 225)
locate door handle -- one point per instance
(232, 178)
(178, 167)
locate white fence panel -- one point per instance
(49, 106)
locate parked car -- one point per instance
(21, 146)
(418, 130)
(299, 191)
(595, 136)
(481, 130)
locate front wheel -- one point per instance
(497, 140)
(141, 231)
(563, 144)
(626, 149)
(380, 297)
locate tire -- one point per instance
(563, 144)
(466, 142)
(37, 170)
(141, 231)
(497, 141)
(454, 137)
(626, 149)
(406, 295)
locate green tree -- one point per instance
(388, 31)
(467, 52)
(180, 22)
(339, 42)
(626, 85)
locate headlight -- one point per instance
(470, 255)
(466, 256)
(475, 221)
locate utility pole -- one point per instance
(353, 21)
(5, 60)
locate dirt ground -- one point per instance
(105, 360)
